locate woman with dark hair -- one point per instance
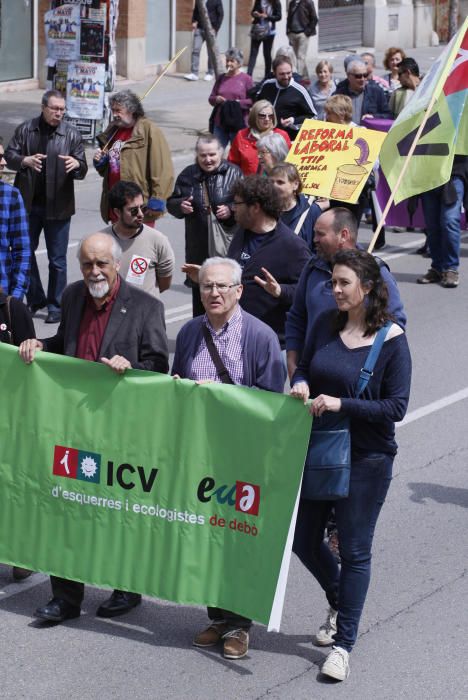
(329, 371)
(229, 99)
(262, 121)
(16, 325)
(265, 13)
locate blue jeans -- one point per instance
(443, 226)
(356, 518)
(56, 233)
(224, 137)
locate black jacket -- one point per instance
(65, 141)
(306, 14)
(275, 11)
(215, 13)
(375, 100)
(136, 328)
(292, 101)
(284, 255)
(17, 324)
(191, 183)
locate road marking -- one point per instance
(177, 309)
(433, 407)
(182, 317)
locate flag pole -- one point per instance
(402, 173)
(163, 72)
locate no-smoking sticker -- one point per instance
(138, 269)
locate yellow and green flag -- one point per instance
(446, 131)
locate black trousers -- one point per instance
(267, 47)
(233, 620)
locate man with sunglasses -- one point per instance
(368, 98)
(48, 156)
(147, 256)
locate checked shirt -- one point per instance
(15, 250)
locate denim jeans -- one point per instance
(56, 233)
(224, 137)
(198, 39)
(267, 47)
(443, 227)
(356, 518)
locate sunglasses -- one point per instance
(133, 211)
(265, 116)
(359, 75)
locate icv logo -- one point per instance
(77, 464)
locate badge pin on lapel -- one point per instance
(123, 310)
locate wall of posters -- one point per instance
(85, 89)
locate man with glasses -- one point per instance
(147, 256)
(48, 156)
(227, 345)
(369, 100)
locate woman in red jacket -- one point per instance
(262, 121)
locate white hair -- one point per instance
(116, 249)
(236, 270)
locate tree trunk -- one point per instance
(210, 36)
(453, 18)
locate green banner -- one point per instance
(146, 483)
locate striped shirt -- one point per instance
(15, 250)
(228, 345)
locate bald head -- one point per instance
(99, 255)
(334, 230)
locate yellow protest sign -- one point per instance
(335, 160)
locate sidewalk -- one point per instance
(178, 106)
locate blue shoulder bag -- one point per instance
(328, 462)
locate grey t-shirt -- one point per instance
(146, 256)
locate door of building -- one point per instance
(158, 32)
(16, 39)
(340, 23)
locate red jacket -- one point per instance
(244, 150)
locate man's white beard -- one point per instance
(99, 289)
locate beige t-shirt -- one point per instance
(146, 257)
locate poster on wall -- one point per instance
(62, 32)
(92, 37)
(85, 90)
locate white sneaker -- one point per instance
(191, 76)
(208, 77)
(324, 636)
(336, 664)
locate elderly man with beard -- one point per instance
(133, 148)
(106, 320)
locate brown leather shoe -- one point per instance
(211, 636)
(236, 644)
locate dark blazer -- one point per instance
(275, 11)
(284, 255)
(375, 100)
(136, 328)
(307, 16)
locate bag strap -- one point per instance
(368, 370)
(8, 315)
(302, 218)
(223, 374)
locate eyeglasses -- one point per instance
(359, 75)
(222, 288)
(133, 211)
(265, 116)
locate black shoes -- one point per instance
(53, 317)
(57, 610)
(34, 308)
(119, 603)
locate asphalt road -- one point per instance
(412, 641)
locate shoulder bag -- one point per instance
(219, 237)
(328, 462)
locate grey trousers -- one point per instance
(198, 39)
